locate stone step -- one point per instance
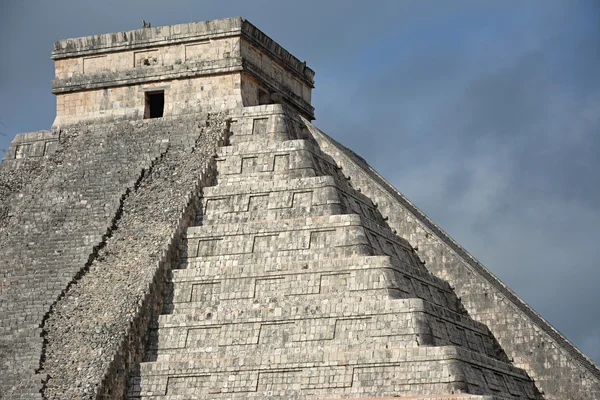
(412, 370)
(304, 351)
(268, 200)
(394, 270)
(292, 394)
(331, 306)
(284, 185)
(289, 284)
(309, 284)
(403, 279)
(284, 198)
(250, 159)
(266, 176)
(267, 146)
(292, 383)
(447, 396)
(236, 140)
(256, 213)
(380, 237)
(230, 340)
(269, 164)
(208, 314)
(339, 220)
(252, 132)
(266, 297)
(255, 123)
(307, 233)
(302, 234)
(202, 270)
(459, 328)
(210, 260)
(377, 228)
(286, 325)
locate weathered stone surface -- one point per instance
(228, 249)
(280, 297)
(201, 67)
(115, 298)
(52, 226)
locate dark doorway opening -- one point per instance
(155, 105)
(263, 97)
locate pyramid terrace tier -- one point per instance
(273, 122)
(447, 396)
(329, 231)
(312, 286)
(296, 396)
(271, 200)
(284, 198)
(336, 371)
(293, 321)
(352, 275)
(266, 161)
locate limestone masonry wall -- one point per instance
(58, 211)
(167, 35)
(195, 95)
(105, 76)
(281, 76)
(159, 56)
(559, 369)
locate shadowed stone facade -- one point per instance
(214, 244)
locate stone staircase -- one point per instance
(294, 287)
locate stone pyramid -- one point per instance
(294, 286)
(183, 231)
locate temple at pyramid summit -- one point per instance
(184, 231)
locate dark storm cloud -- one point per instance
(485, 114)
(505, 155)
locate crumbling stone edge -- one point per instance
(92, 257)
(538, 321)
(115, 382)
(132, 347)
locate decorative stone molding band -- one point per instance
(179, 34)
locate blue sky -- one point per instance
(485, 114)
